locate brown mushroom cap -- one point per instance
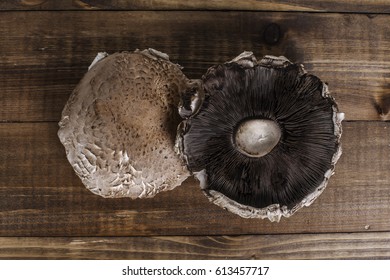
(265, 138)
(119, 125)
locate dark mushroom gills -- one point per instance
(265, 139)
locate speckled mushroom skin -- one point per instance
(119, 125)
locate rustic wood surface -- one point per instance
(362, 6)
(289, 246)
(44, 54)
(41, 195)
(45, 212)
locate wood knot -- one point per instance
(382, 106)
(272, 34)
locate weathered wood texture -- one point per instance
(41, 196)
(365, 6)
(44, 54)
(296, 246)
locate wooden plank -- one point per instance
(363, 6)
(41, 196)
(45, 54)
(290, 246)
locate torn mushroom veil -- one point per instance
(264, 137)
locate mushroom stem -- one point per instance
(257, 137)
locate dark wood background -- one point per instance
(46, 47)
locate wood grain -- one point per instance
(45, 54)
(363, 6)
(41, 196)
(290, 246)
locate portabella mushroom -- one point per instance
(264, 138)
(119, 125)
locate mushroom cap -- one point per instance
(119, 125)
(291, 137)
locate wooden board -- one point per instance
(45, 54)
(41, 196)
(45, 211)
(363, 6)
(290, 246)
